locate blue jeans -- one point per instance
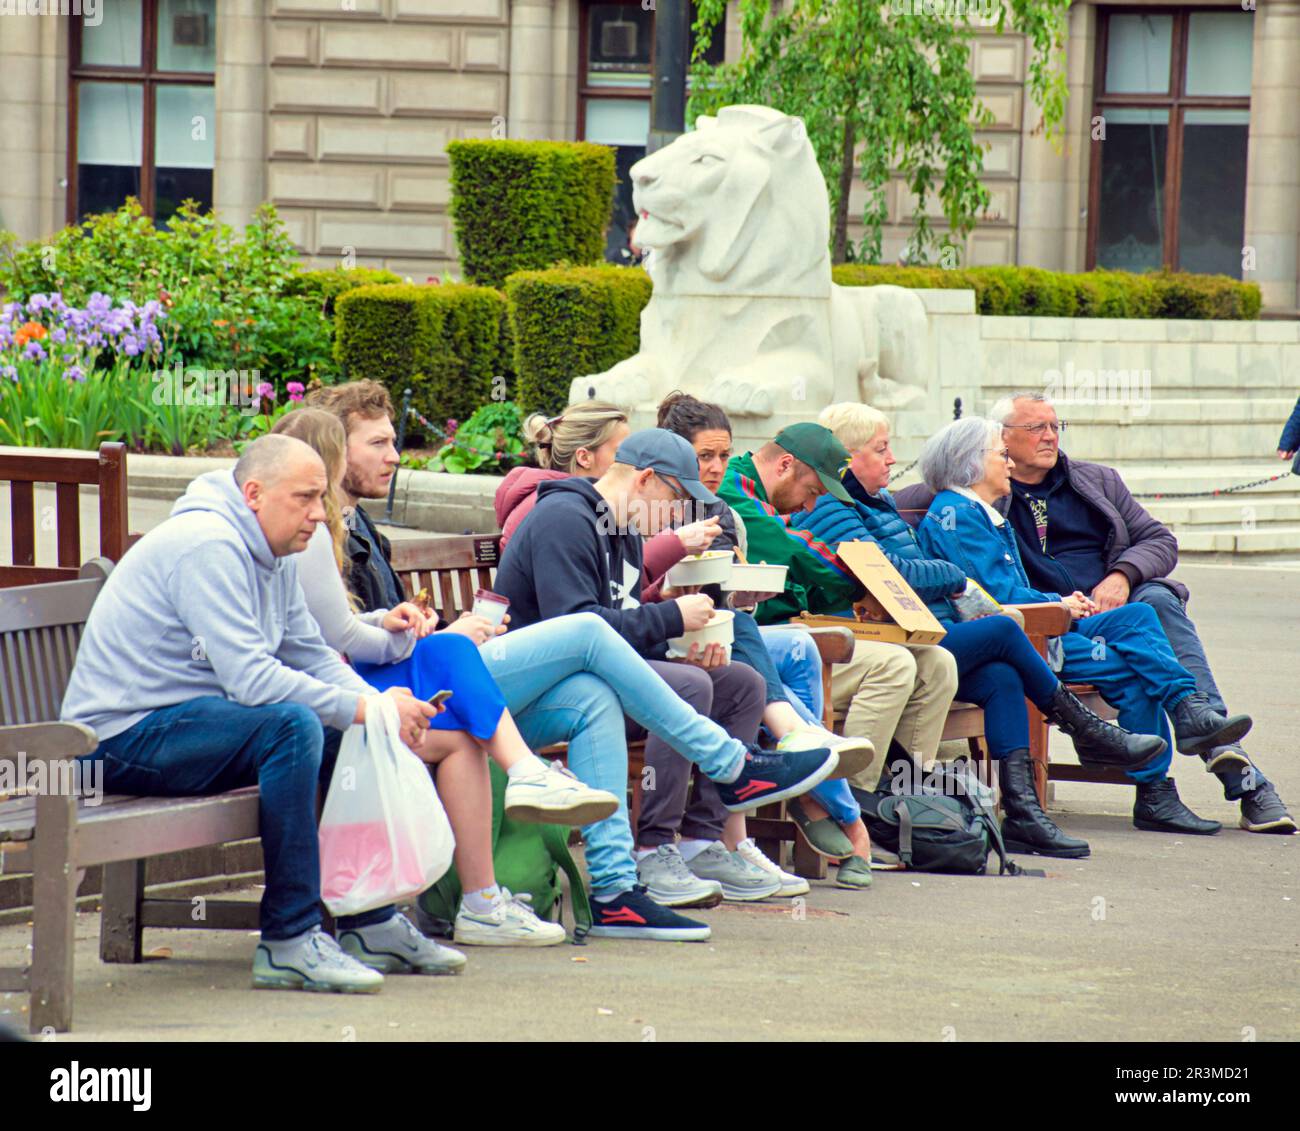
(1127, 657)
(998, 668)
(800, 667)
(572, 679)
(1186, 643)
(211, 745)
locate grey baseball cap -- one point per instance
(667, 453)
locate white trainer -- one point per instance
(557, 797)
(311, 962)
(791, 885)
(855, 754)
(396, 946)
(510, 923)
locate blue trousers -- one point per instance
(1186, 643)
(998, 668)
(1125, 654)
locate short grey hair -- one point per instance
(954, 456)
(267, 458)
(853, 424)
(1005, 408)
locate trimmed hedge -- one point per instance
(527, 205)
(1094, 294)
(324, 287)
(443, 341)
(568, 322)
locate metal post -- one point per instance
(956, 408)
(671, 56)
(401, 443)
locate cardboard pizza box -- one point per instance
(912, 622)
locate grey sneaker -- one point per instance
(510, 923)
(396, 947)
(791, 884)
(670, 883)
(311, 962)
(740, 880)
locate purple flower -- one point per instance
(265, 390)
(34, 351)
(59, 335)
(294, 389)
(132, 348)
(12, 311)
(74, 373)
(38, 302)
(9, 371)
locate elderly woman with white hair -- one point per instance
(997, 666)
(1124, 652)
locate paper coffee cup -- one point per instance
(490, 605)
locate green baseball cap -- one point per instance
(819, 449)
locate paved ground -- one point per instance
(1154, 938)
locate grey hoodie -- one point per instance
(201, 607)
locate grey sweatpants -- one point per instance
(733, 696)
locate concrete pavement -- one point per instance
(1154, 937)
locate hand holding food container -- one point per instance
(696, 609)
(752, 583)
(490, 606)
(719, 629)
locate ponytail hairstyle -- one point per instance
(585, 425)
(681, 413)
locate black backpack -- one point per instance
(946, 825)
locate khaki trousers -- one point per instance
(894, 691)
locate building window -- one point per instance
(142, 107)
(1169, 172)
(616, 43)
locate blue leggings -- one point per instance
(445, 661)
(998, 669)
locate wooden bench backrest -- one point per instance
(451, 568)
(40, 630)
(23, 468)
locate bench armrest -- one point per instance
(1045, 618)
(46, 742)
(834, 645)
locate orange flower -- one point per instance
(220, 322)
(29, 331)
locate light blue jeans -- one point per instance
(799, 665)
(572, 679)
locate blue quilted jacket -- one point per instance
(874, 518)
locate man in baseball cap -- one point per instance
(817, 449)
(669, 455)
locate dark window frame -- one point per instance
(1174, 100)
(146, 76)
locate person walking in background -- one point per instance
(1289, 444)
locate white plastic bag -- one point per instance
(384, 835)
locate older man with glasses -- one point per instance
(1079, 528)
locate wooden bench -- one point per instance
(23, 468)
(60, 832)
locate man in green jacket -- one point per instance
(893, 693)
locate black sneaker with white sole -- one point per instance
(768, 776)
(634, 915)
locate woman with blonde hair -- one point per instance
(401, 648)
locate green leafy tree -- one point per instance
(884, 85)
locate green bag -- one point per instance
(527, 859)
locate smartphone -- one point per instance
(439, 699)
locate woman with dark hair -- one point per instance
(786, 657)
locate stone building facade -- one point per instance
(339, 111)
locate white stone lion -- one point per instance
(744, 312)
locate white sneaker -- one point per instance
(510, 923)
(311, 962)
(855, 754)
(395, 946)
(741, 882)
(556, 797)
(791, 885)
(670, 883)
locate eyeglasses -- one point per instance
(679, 495)
(1041, 428)
(1003, 452)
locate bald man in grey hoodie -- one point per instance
(201, 671)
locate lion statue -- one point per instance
(744, 312)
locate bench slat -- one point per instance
(67, 507)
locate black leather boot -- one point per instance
(1199, 728)
(1159, 809)
(1098, 742)
(1025, 827)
